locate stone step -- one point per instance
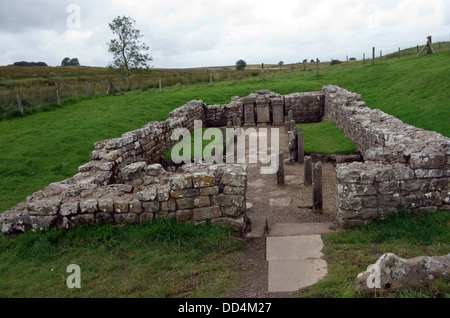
(258, 227)
(297, 229)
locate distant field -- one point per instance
(49, 146)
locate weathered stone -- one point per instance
(133, 171)
(169, 206)
(432, 173)
(202, 201)
(187, 193)
(83, 219)
(184, 215)
(232, 211)
(209, 191)
(153, 170)
(68, 209)
(44, 207)
(237, 224)
(163, 194)
(135, 206)
(150, 207)
(235, 180)
(147, 195)
(106, 205)
(428, 159)
(392, 273)
(207, 213)
(234, 190)
(184, 204)
(432, 199)
(102, 217)
(388, 187)
(89, 206)
(204, 180)
(122, 218)
(121, 206)
(181, 182)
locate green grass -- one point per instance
(327, 138)
(407, 235)
(153, 261)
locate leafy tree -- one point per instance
(128, 50)
(74, 62)
(65, 62)
(335, 62)
(241, 65)
(352, 59)
(305, 60)
(280, 63)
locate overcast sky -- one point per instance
(193, 33)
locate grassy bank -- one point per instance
(153, 261)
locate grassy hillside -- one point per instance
(48, 147)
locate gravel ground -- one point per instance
(289, 204)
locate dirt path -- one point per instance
(289, 204)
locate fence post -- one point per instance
(317, 188)
(160, 84)
(301, 147)
(364, 58)
(58, 96)
(317, 67)
(262, 72)
(87, 89)
(381, 53)
(373, 56)
(210, 78)
(19, 103)
(347, 59)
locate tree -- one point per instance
(128, 50)
(241, 65)
(74, 62)
(65, 62)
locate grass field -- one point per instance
(327, 138)
(49, 146)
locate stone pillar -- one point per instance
(292, 125)
(277, 111)
(263, 110)
(287, 123)
(249, 111)
(317, 188)
(238, 122)
(300, 147)
(280, 173)
(308, 171)
(235, 120)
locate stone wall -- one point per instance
(405, 167)
(306, 107)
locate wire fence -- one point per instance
(24, 95)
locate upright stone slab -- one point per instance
(317, 188)
(301, 147)
(280, 172)
(249, 111)
(235, 122)
(277, 111)
(308, 171)
(263, 110)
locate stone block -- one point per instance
(431, 173)
(389, 201)
(153, 170)
(384, 174)
(202, 201)
(163, 194)
(121, 206)
(234, 190)
(123, 218)
(147, 195)
(351, 203)
(235, 180)
(102, 217)
(207, 213)
(428, 159)
(388, 187)
(133, 171)
(432, 199)
(204, 180)
(412, 201)
(135, 206)
(44, 207)
(184, 204)
(89, 206)
(83, 219)
(69, 209)
(184, 215)
(181, 182)
(150, 207)
(169, 206)
(232, 211)
(209, 191)
(187, 193)
(106, 205)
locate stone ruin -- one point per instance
(126, 181)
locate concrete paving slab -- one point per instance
(296, 229)
(283, 202)
(294, 247)
(293, 275)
